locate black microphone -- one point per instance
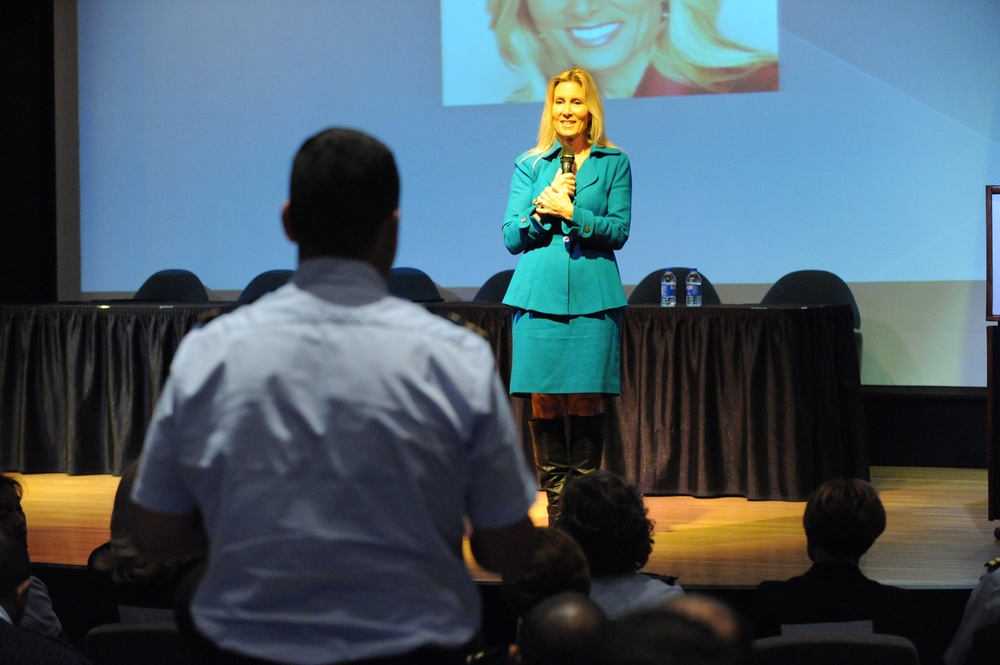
(566, 159)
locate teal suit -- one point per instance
(566, 288)
(568, 267)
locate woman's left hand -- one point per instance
(554, 201)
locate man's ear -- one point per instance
(286, 221)
(384, 251)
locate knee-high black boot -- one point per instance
(551, 457)
(586, 444)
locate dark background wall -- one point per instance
(27, 153)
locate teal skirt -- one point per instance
(566, 354)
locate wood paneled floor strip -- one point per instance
(938, 534)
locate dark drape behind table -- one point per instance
(79, 382)
(761, 402)
(731, 400)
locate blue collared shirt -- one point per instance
(335, 440)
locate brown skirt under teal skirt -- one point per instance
(566, 354)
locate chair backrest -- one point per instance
(495, 288)
(413, 284)
(812, 287)
(126, 644)
(265, 282)
(647, 291)
(173, 285)
(835, 649)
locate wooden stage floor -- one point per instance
(938, 534)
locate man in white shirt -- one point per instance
(328, 446)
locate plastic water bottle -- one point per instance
(668, 289)
(693, 288)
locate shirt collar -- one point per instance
(4, 616)
(340, 281)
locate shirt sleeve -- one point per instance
(982, 609)
(159, 483)
(502, 487)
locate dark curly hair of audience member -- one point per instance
(607, 517)
(843, 517)
(557, 565)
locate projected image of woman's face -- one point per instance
(598, 35)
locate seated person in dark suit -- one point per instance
(19, 646)
(142, 590)
(842, 520)
(607, 517)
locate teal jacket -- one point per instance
(568, 267)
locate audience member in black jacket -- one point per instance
(842, 520)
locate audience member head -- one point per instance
(564, 629)
(15, 576)
(661, 636)
(728, 627)
(12, 520)
(557, 564)
(344, 198)
(607, 517)
(842, 519)
(123, 560)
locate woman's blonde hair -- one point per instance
(547, 137)
(689, 47)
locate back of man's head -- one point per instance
(557, 565)
(14, 573)
(842, 519)
(564, 629)
(344, 185)
(659, 636)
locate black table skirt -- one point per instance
(716, 401)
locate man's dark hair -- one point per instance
(14, 564)
(607, 517)
(564, 629)
(844, 517)
(657, 636)
(8, 481)
(344, 185)
(557, 565)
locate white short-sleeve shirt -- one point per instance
(335, 440)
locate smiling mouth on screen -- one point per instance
(598, 35)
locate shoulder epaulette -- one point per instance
(458, 320)
(209, 315)
(993, 564)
